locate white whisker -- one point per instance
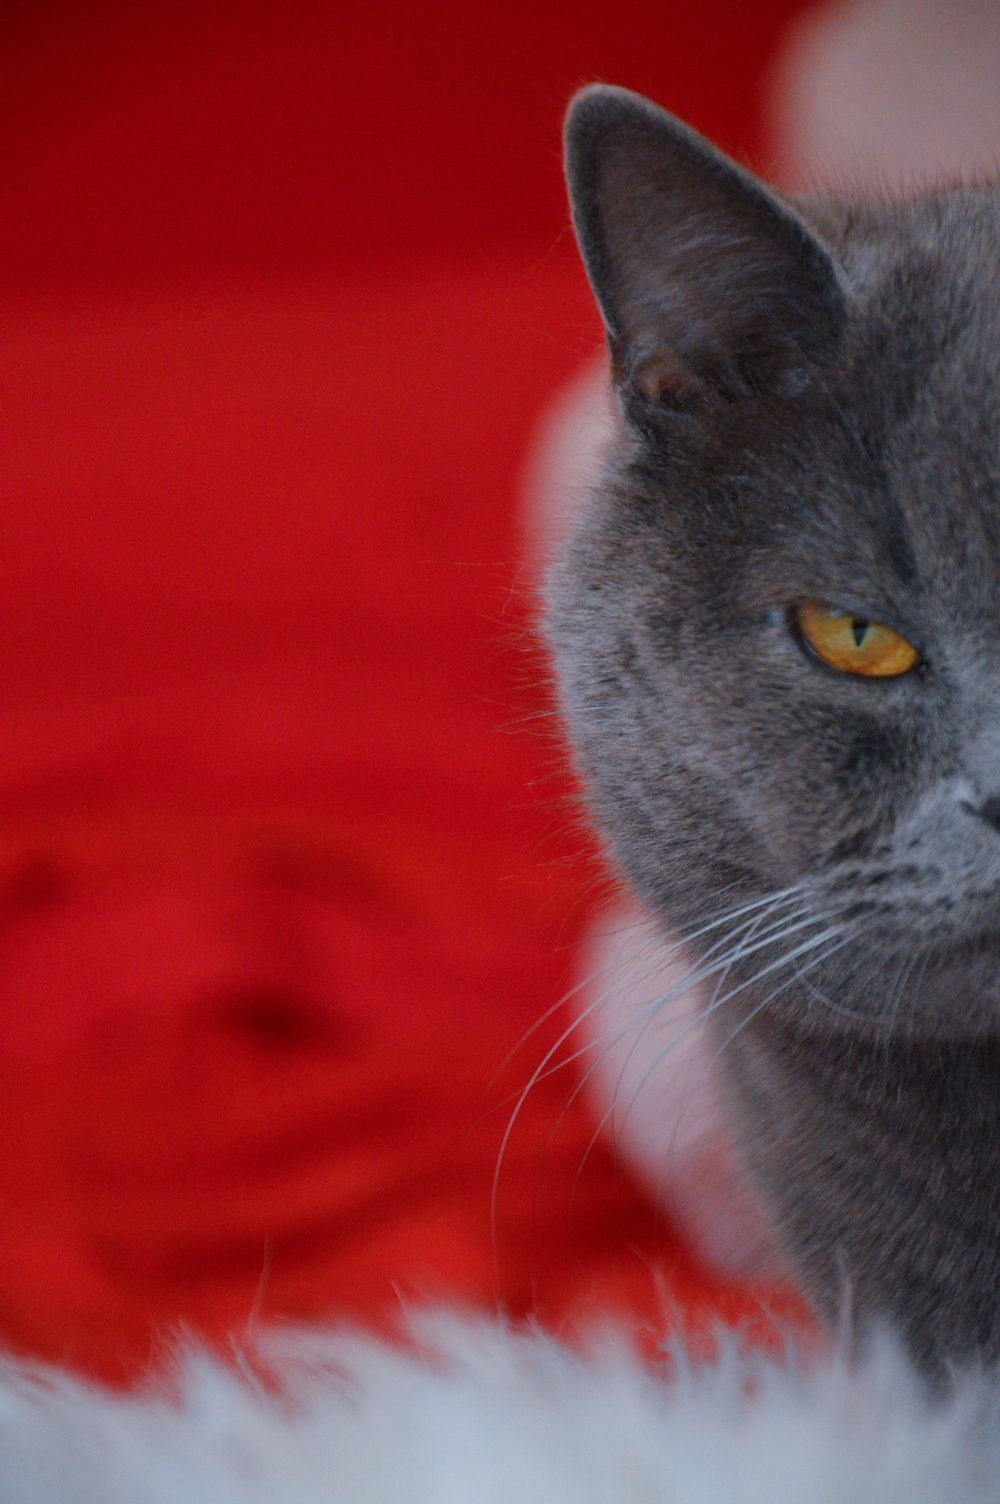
(766, 1002)
(722, 965)
(647, 1014)
(544, 1068)
(718, 1001)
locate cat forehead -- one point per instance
(923, 274)
(891, 475)
(957, 224)
(920, 389)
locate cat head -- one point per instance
(777, 623)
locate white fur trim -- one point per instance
(488, 1417)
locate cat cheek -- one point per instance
(873, 754)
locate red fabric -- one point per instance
(283, 876)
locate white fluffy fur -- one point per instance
(488, 1417)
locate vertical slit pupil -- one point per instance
(859, 628)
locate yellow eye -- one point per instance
(853, 644)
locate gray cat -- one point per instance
(777, 634)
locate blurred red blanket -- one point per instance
(285, 865)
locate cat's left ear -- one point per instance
(709, 284)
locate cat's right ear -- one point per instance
(709, 284)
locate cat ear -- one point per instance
(708, 283)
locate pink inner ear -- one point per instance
(658, 376)
(663, 380)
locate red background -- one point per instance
(285, 867)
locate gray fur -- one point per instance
(810, 410)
